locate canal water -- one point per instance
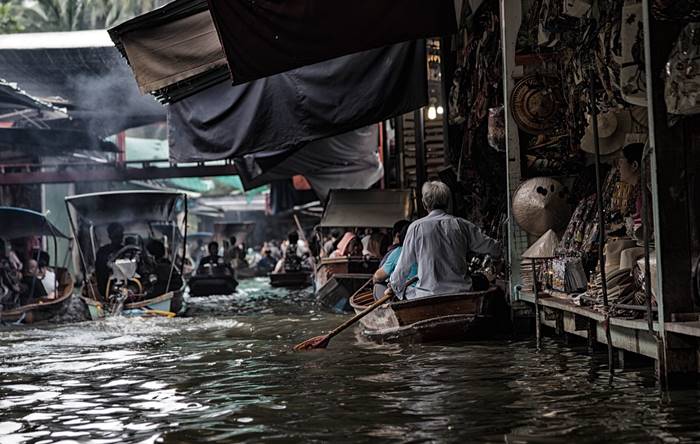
(226, 374)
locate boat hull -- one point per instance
(300, 279)
(212, 285)
(45, 310)
(167, 305)
(457, 317)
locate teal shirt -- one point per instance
(393, 259)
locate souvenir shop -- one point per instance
(602, 210)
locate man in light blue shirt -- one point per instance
(439, 243)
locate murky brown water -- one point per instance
(227, 375)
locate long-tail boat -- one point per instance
(19, 223)
(139, 284)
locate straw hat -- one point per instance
(540, 204)
(544, 247)
(613, 126)
(535, 104)
(613, 251)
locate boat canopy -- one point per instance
(367, 208)
(126, 206)
(19, 222)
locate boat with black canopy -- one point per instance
(25, 299)
(337, 278)
(130, 245)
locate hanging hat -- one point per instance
(535, 104)
(613, 251)
(540, 204)
(544, 247)
(613, 127)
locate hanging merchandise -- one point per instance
(576, 8)
(541, 204)
(632, 73)
(497, 130)
(536, 103)
(613, 127)
(679, 10)
(682, 73)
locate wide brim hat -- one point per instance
(616, 128)
(541, 204)
(544, 248)
(613, 251)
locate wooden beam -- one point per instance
(112, 173)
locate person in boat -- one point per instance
(439, 243)
(115, 231)
(267, 263)
(32, 290)
(165, 276)
(395, 234)
(232, 253)
(389, 265)
(9, 281)
(46, 274)
(330, 245)
(213, 264)
(349, 245)
(292, 260)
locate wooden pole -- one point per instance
(538, 334)
(601, 218)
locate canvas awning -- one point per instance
(19, 222)
(287, 111)
(126, 206)
(367, 208)
(174, 50)
(266, 37)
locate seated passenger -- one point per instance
(213, 264)
(267, 263)
(46, 274)
(349, 245)
(292, 258)
(387, 268)
(115, 231)
(167, 277)
(440, 243)
(32, 288)
(9, 281)
(395, 232)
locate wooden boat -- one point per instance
(209, 285)
(299, 279)
(336, 279)
(339, 278)
(45, 309)
(144, 214)
(19, 223)
(249, 272)
(435, 318)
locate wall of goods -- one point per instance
(475, 112)
(578, 61)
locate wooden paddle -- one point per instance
(322, 341)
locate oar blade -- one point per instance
(313, 343)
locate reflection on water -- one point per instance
(227, 374)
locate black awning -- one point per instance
(19, 222)
(266, 37)
(367, 208)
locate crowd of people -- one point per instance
(25, 275)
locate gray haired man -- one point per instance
(439, 244)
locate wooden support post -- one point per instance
(592, 336)
(670, 156)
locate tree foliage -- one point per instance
(69, 15)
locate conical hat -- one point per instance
(541, 204)
(544, 247)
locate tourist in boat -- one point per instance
(389, 265)
(267, 263)
(330, 245)
(9, 281)
(232, 253)
(292, 260)
(31, 289)
(213, 262)
(439, 243)
(349, 245)
(46, 274)
(395, 232)
(115, 231)
(167, 278)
